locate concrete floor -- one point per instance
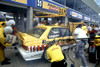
(18, 61)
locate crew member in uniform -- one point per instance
(55, 54)
(3, 32)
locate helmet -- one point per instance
(8, 30)
(10, 23)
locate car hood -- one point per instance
(29, 40)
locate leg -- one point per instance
(83, 60)
(77, 50)
(2, 58)
(54, 64)
(81, 53)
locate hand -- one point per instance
(16, 43)
(5, 41)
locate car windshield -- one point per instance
(36, 32)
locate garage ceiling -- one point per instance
(92, 4)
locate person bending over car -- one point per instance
(55, 54)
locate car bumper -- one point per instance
(28, 56)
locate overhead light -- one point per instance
(98, 13)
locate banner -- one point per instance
(20, 1)
(87, 18)
(60, 10)
(76, 15)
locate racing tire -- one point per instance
(44, 56)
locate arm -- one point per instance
(2, 38)
(75, 32)
(48, 56)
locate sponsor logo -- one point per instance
(55, 9)
(74, 14)
(87, 18)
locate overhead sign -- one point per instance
(87, 18)
(39, 3)
(76, 15)
(31, 3)
(20, 1)
(60, 10)
(50, 6)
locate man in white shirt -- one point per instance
(79, 35)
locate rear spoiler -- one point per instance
(19, 34)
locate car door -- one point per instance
(66, 35)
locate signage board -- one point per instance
(39, 3)
(76, 15)
(31, 3)
(62, 11)
(50, 6)
(20, 1)
(87, 18)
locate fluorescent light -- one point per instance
(98, 13)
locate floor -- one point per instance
(18, 61)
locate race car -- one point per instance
(35, 42)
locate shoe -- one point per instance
(7, 59)
(74, 56)
(5, 63)
(83, 66)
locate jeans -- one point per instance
(79, 52)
